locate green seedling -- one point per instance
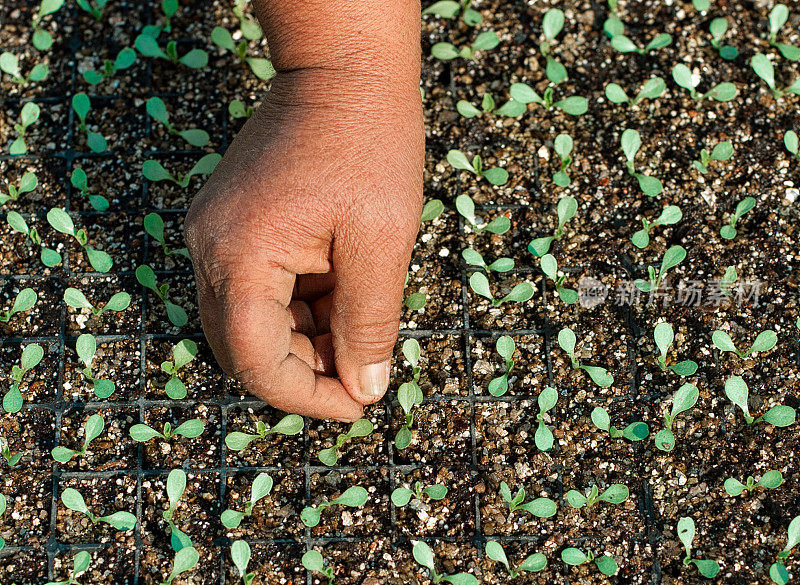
(291, 424)
(770, 480)
(424, 556)
(353, 497)
(260, 489)
(543, 437)
(728, 280)
(93, 7)
(409, 394)
(23, 302)
(625, 45)
(604, 563)
(672, 258)
(701, 5)
(86, 348)
(185, 559)
(670, 215)
(612, 25)
(511, 108)
(238, 110)
(505, 347)
(124, 59)
(686, 532)
(765, 341)
(684, 398)
(614, 494)
(82, 106)
(91, 430)
(261, 68)
(652, 89)
(777, 18)
(240, 555)
(563, 147)
(361, 428)
(451, 9)
(519, 294)
(32, 354)
(766, 71)
(147, 44)
(664, 337)
(147, 278)
(431, 210)
(250, 28)
(170, 8)
(182, 353)
(312, 560)
(80, 564)
(153, 171)
(415, 301)
(574, 105)
(729, 231)
(62, 223)
(474, 258)
(3, 506)
(721, 92)
(402, 496)
(532, 564)
(565, 210)
(27, 183)
(158, 111)
(77, 300)
(10, 457)
(552, 25)
(191, 429)
(154, 226)
(485, 41)
(9, 63)
(539, 507)
(718, 28)
(458, 160)
(80, 182)
(631, 143)
(122, 521)
(737, 392)
(777, 570)
(41, 38)
(636, 431)
(600, 376)
(466, 208)
(721, 151)
(28, 116)
(176, 486)
(549, 266)
(790, 141)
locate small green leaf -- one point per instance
(143, 433)
(573, 556)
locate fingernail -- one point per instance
(374, 379)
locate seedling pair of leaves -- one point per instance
(614, 494)
(41, 38)
(511, 108)
(574, 105)
(616, 31)
(261, 68)
(631, 143)
(532, 564)
(424, 556)
(684, 398)
(505, 347)
(718, 28)
(652, 89)
(770, 480)
(543, 437)
(158, 111)
(94, 140)
(32, 354)
(313, 561)
(260, 489)
(563, 145)
(721, 151)
(729, 231)
(27, 183)
(450, 9)
(80, 182)
(474, 258)
(521, 292)
(80, 564)
(250, 28)
(466, 208)
(62, 223)
(91, 430)
(777, 570)
(727, 281)
(549, 266)
(240, 555)
(185, 560)
(766, 71)
(17, 223)
(353, 497)
(565, 210)
(539, 507)
(124, 59)
(9, 63)
(664, 337)
(175, 313)
(189, 429)
(670, 215)
(27, 117)
(5, 451)
(777, 18)
(672, 258)
(409, 394)
(636, 431)
(77, 300)
(600, 376)
(93, 7)
(606, 564)
(86, 348)
(552, 25)
(238, 110)
(291, 424)
(722, 92)
(765, 341)
(154, 226)
(147, 44)
(121, 521)
(737, 392)
(154, 171)
(361, 428)
(458, 160)
(176, 486)
(402, 496)
(485, 41)
(24, 301)
(686, 533)
(182, 353)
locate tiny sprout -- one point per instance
(312, 560)
(124, 59)
(631, 143)
(185, 559)
(409, 394)
(474, 258)
(415, 301)
(250, 28)
(27, 183)
(600, 376)
(625, 45)
(361, 428)
(728, 280)
(353, 497)
(765, 341)
(718, 28)
(262, 486)
(684, 399)
(790, 140)
(511, 108)
(182, 353)
(9, 63)
(77, 300)
(466, 208)
(770, 480)
(539, 507)
(431, 210)
(544, 436)
(766, 71)
(62, 223)
(532, 564)
(651, 89)
(94, 140)
(291, 424)
(86, 348)
(737, 392)
(672, 258)
(505, 347)
(176, 486)
(574, 105)
(10, 458)
(238, 110)
(721, 92)
(565, 210)
(424, 556)
(670, 215)
(552, 25)
(664, 336)
(122, 521)
(147, 278)
(240, 554)
(147, 44)
(614, 494)
(32, 354)
(777, 570)
(485, 41)
(154, 226)
(158, 111)
(154, 171)
(451, 8)
(519, 294)
(729, 231)
(458, 160)
(170, 8)
(190, 429)
(3, 506)
(91, 430)
(636, 431)
(777, 18)
(563, 146)
(549, 266)
(722, 151)
(261, 67)
(93, 7)
(80, 564)
(28, 116)
(686, 532)
(79, 181)
(23, 302)
(606, 564)
(402, 496)
(42, 39)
